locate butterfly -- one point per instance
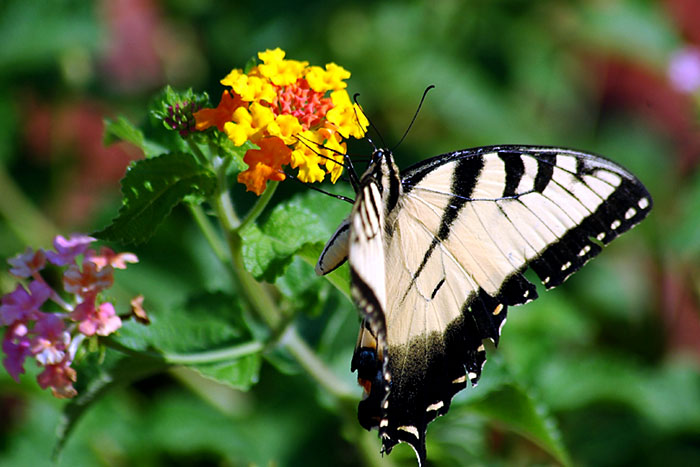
(437, 255)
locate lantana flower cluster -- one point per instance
(52, 338)
(296, 114)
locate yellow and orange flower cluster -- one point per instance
(296, 114)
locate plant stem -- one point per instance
(296, 346)
(259, 206)
(258, 298)
(211, 356)
(215, 241)
(197, 152)
(224, 209)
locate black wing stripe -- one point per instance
(545, 169)
(515, 168)
(464, 179)
(394, 183)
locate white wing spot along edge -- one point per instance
(459, 380)
(409, 429)
(436, 406)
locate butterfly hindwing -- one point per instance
(437, 259)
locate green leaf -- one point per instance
(226, 148)
(268, 249)
(519, 411)
(151, 189)
(301, 225)
(502, 399)
(211, 321)
(123, 130)
(241, 373)
(302, 287)
(207, 333)
(250, 64)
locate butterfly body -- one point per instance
(437, 255)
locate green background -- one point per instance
(610, 359)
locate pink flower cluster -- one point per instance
(53, 338)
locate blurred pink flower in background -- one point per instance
(130, 58)
(684, 70)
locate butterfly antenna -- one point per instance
(354, 179)
(357, 118)
(308, 185)
(415, 115)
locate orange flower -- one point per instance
(265, 164)
(218, 116)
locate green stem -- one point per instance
(211, 356)
(224, 209)
(215, 241)
(197, 152)
(258, 298)
(259, 206)
(315, 367)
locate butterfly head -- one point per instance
(383, 172)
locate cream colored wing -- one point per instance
(466, 227)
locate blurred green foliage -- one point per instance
(604, 370)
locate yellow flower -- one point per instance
(233, 77)
(334, 151)
(247, 124)
(330, 79)
(250, 88)
(307, 160)
(281, 72)
(285, 127)
(272, 56)
(345, 115)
